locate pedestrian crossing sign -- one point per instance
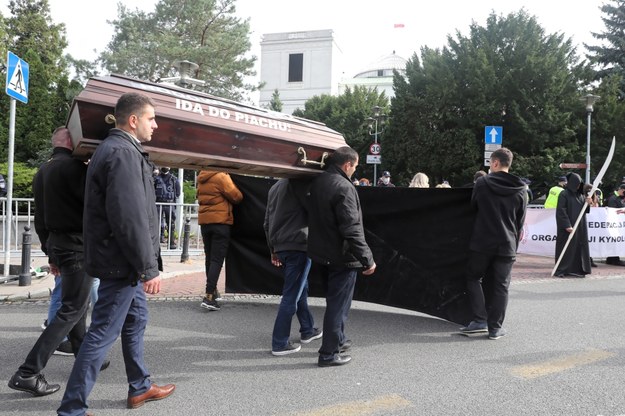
(17, 78)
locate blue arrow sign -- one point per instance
(17, 78)
(493, 134)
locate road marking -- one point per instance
(363, 407)
(561, 364)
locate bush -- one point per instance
(23, 176)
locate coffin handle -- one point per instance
(306, 161)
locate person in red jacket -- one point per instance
(215, 194)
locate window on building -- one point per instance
(380, 72)
(296, 67)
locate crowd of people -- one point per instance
(119, 192)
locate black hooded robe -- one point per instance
(576, 259)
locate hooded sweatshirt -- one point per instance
(500, 204)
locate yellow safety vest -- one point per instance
(552, 199)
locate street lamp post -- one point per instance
(589, 100)
(377, 118)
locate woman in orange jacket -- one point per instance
(215, 194)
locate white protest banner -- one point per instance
(606, 232)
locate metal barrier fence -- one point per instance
(171, 214)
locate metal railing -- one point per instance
(23, 210)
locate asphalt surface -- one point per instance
(564, 355)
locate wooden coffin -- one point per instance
(197, 130)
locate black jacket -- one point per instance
(336, 236)
(499, 199)
(121, 222)
(286, 218)
(59, 190)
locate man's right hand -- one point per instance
(54, 269)
(370, 270)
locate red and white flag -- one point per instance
(398, 25)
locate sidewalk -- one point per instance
(187, 280)
(176, 281)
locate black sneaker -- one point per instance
(345, 346)
(217, 295)
(35, 385)
(44, 325)
(105, 365)
(497, 333)
(210, 303)
(316, 334)
(289, 349)
(64, 348)
(475, 328)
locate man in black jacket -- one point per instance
(286, 228)
(121, 247)
(336, 241)
(59, 189)
(500, 204)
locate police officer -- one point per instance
(167, 189)
(554, 192)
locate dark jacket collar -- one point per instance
(127, 136)
(337, 170)
(61, 150)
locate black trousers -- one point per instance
(339, 293)
(216, 238)
(488, 280)
(70, 319)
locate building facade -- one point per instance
(299, 65)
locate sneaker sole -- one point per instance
(496, 336)
(475, 331)
(311, 339)
(63, 353)
(210, 307)
(286, 352)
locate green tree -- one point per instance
(275, 104)
(508, 73)
(347, 114)
(206, 32)
(32, 36)
(608, 55)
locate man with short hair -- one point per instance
(286, 228)
(336, 241)
(59, 190)
(499, 201)
(122, 248)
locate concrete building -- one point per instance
(301, 65)
(378, 74)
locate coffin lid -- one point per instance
(201, 131)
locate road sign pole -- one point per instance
(8, 212)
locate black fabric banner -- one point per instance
(419, 239)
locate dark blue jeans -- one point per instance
(340, 291)
(216, 238)
(121, 309)
(296, 266)
(70, 318)
(488, 280)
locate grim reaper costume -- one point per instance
(576, 259)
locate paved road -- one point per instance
(564, 356)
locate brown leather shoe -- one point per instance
(154, 393)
